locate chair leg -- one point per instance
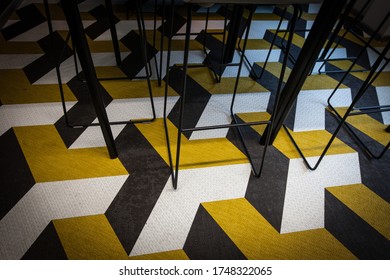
(325, 56)
(366, 110)
(266, 142)
(342, 120)
(162, 38)
(48, 16)
(175, 168)
(362, 51)
(183, 96)
(74, 21)
(272, 44)
(141, 28)
(173, 174)
(114, 36)
(154, 43)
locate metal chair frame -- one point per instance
(174, 168)
(141, 28)
(352, 110)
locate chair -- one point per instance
(228, 54)
(141, 28)
(377, 67)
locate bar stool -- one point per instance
(232, 40)
(352, 16)
(377, 67)
(284, 16)
(141, 29)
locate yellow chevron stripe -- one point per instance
(195, 153)
(345, 64)
(121, 89)
(312, 82)
(257, 239)
(177, 45)
(352, 38)
(89, 238)
(49, 159)
(97, 46)
(7, 47)
(368, 126)
(16, 89)
(170, 255)
(311, 142)
(366, 204)
(205, 78)
(382, 80)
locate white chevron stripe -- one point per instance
(217, 111)
(30, 114)
(55, 200)
(170, 221)
(41, 30)
(259, 27)
(304, 203)
(68, 71)
(17, 61)
(311, 106)
(384, 99)
(122, 110)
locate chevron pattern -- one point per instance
(61, 197)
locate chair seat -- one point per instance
(264, 2)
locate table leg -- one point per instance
(234, 28)
(76, 29)
(114, 35)
(322, 27)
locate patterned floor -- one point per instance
(61, 197)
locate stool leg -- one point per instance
(272, 44)
(154, 43)
(162, 37)
(114, 35)
(166, 95)
(73, 18)
(257, 173)
(141, 28)
(371, 76)
(325, 56)
(48, 16)
(183, 96)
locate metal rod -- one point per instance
(73, 19)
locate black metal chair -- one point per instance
(237, 13)
(141, 29)
(377, 67)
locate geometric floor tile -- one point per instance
(49, 160)
(62, 197)
(175, 210)
(89, 238)
(30, 114)
(49, 201)
(257, 239)
(194, 154)
(305, 189)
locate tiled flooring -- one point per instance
(61, 197)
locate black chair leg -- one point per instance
(373, 74)
(141, 27)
